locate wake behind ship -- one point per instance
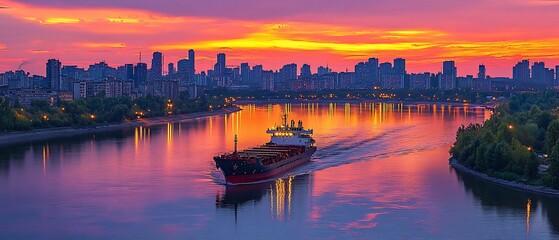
(290, 146)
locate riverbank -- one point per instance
(406, 102)
(12, 138)
(515, 185)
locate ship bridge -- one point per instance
(291, 134)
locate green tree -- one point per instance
(552, 135)
(7, 115)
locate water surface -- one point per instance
(381, 171)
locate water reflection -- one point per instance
(239, 195)
(506, 201)
(380, 172)
(282, 194)
(528, 210)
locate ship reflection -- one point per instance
(235, 196)
(279, 194)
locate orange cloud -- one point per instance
(38, 51)
(343, 40)
(84, 34)
(101, 45)
(122, 21)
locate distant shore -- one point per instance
(12, 138)
(516, 185)
(283, 101)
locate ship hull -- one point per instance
(243, 172)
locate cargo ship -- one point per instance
(290, 146)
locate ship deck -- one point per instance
(266, 153)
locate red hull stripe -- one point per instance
(251, 178)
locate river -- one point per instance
(381, 172)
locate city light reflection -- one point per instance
(528, 211)
(46, 154)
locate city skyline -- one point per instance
(316, 33)
(398, 64)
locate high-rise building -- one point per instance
(556, 74)
(100, 71)
(481, 83)
(140, 74)
(157, 65)
(182, 67)
(256, 76)
(400, 71)
(245, 74)
(129, 68)
(201, 79)
(447, 79)
(268, 82)
(288, 72)
(171, 70)
(182, 71)
(219, 67)
(346, 80)
(69, 75)
(192, 58)
(400, 66)
(360, 70)
(420, 81)
(366, 73)
(449, 68)
(538, 72)
(372, 66)
(385, 68)
(387, 79)
(481, 72)
(521, 71)
(323, 70)
(53, 74)
(192, 65)
(306, 71)
(549, 76)
(465, 82)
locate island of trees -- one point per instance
(518, 143)
(98, 110)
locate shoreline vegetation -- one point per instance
(518, 146)
(98, 110)
(511, 184)
(13, 138)
(45, 120)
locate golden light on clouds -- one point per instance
(102, 45)
(316, 37)
(102, 21)
(123, 20)
(70, 31)
(546, 48)
(38, 51)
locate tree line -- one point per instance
(97, 110)
(429, 95)
(518, 143)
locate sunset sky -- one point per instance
(497, 33)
